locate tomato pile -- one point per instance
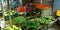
(42, 6)
(21, 9)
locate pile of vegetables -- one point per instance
(7, 13)
(21, 9)
(42, 6)
(26, 23)
(45, 19)
(19, 20)
(31, 24)
(12, 28)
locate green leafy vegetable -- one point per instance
(31, 24)
(45, 19)
(15, 28)
(19, 20)
(8, 28)
(12, 28)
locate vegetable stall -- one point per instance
(27, 16)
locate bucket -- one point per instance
(46, 12)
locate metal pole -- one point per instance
(3, 14)
(9, 13)
(20, 1)
(52, 7)
(41, 1)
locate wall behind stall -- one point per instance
(56, 6)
